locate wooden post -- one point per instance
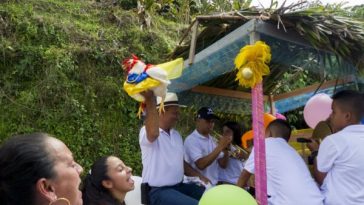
(191, 56)
(272, 105)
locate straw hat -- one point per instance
(170, 100)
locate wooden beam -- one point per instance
(191, 56)
(224, 92)
(221, 17)
(313, 87)
(254, 37)
(187, 32)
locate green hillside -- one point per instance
(60, 73)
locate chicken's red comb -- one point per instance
(126, 63)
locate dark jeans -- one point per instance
(180, 194)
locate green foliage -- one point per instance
(128, 4)
(60, 73)
(241, 4)
(292, 80)
(184, 11)
(357, 12)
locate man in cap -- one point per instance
(162, 155)
(201, 151)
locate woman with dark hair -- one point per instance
(37, 169)
(107, 182)
(231, 173)
(234, 129)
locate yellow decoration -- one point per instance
(251, 63)
(173, 68)
(134, 89)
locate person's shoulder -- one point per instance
(277, 144)
(175, 133)
(333, 141)
(353, 128)
(191, 137)
(346, 134)
(143, 139)
(274, 141)
(192, 134)
(335, 137)
(142, 131)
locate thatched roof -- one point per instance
(323, 28)
(329, 46)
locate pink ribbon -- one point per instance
(259, 145)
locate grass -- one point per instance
(60, 73)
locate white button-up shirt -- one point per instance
(233, 170)
(341, 156)
(197, 147)
(162, 159)
(288, 180)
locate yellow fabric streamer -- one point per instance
(134, 89)
(173, 68)
(251, 63)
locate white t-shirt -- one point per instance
(288, 180)
(197, 147)
(163, 159)
(233, 170)
(341, 156)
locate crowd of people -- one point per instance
(37, 169)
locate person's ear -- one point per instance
(267, 133)
(45, 189)
(348, 116)
(107, 184)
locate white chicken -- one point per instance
(142, 77)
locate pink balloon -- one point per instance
(317, 108)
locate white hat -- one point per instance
(170, 100)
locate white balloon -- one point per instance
(134, 197)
